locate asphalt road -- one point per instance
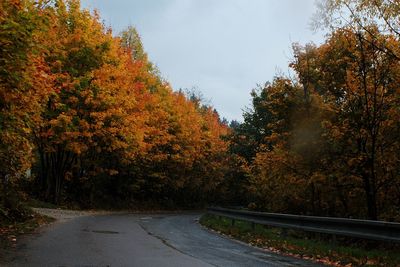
(139, 240)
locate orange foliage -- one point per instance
(99, 112)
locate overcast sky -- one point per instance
(224, 48)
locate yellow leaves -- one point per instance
(274, 137)
(317, 177)
(112, 172)
(76, 147)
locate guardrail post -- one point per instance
(318, 236)
(233, 222)
(284, 233)
(333, 240)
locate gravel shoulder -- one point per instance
(62, 215)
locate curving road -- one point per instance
(139, 240)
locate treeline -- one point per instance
(327, 141)
(91, 118)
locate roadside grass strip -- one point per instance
(317, 247)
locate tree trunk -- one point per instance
(370, 195)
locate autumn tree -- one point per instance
(364, 99)
(283, 175)
(92, 114)
(23, 88)
(360, 15)
(329, 138)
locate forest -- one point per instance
(86, 120)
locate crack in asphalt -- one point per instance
(192, 240)
(165, 242)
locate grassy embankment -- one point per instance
(320, 248)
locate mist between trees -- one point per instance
(98, 126)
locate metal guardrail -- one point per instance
(375, 230)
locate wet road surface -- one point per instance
(139, 240)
